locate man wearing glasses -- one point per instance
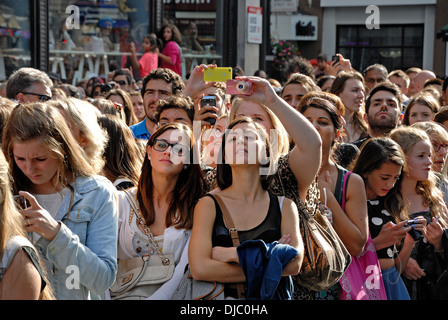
(29, 85)
(159, 84)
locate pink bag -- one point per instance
(363, 279)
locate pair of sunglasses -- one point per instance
(42, 97)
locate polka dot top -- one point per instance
(378, 216)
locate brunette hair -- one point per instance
(422, 98)
(130, 117)
(190, 185)
(374, 153)
(123, 155)
(338, 86)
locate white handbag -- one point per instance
(138, 278)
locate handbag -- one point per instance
(363, 279)
(325, 257)
(191, 289)
(138, 278)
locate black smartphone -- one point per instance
(335, 59)
(416, 235)
(21, 201)
(209, 101)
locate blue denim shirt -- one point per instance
(139, 130)
(81, 261)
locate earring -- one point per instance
(185, 167)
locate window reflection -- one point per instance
(14, 36)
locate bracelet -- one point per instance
(441, 251)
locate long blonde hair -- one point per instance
(11, 221)
(280, 144)
(84, 116)
(407, 137)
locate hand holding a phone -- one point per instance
(195, 83)
(206, 111)
(339, 65)
(39, 220)
(433, 233)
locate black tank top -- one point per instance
(269, 230)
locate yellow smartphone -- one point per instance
(220, 74)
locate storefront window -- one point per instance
(396, 47)
(91, 38)
(197, 21)
(14, 36)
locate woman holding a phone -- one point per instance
(73, 212)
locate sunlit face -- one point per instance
(212, 141)
(166, 161)
(420, 113)
(440, 152)
(137, 104)
(244, 145)
(379, 182)
(37, 163)
(256, 112)
(400, 82)
(293, 93)
(384, 110)
(322, 122)
(155, 90)
(353, 95)
(419, 161)
(373, 77)
(174, 115)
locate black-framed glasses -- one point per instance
(42, 97)
(178, 149)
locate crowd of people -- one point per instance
(146, 171)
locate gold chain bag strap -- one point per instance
(138, 278)
(325, 256)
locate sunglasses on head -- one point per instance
(42, 97)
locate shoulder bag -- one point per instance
(325, 257)
(191, 289)
(363, 279)
(138, 278)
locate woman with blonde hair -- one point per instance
(81, 117)
(21, 274)
(72, 217)
(419, 198)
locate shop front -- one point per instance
(81, 39)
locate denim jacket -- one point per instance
(81, 261)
